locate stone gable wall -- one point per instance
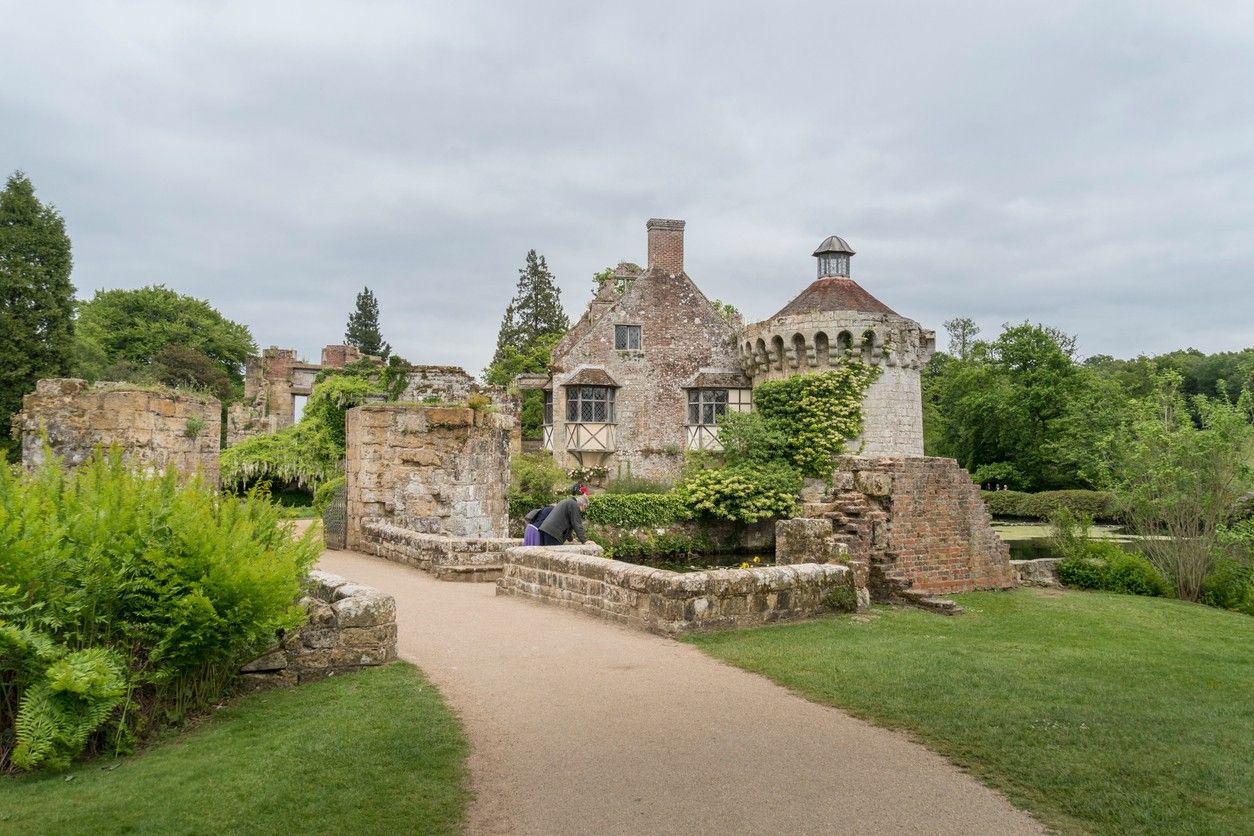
(918, 521)
(427, 469)
(154, 428)
(681, 333)
(578, 578)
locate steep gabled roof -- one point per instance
(834, 294)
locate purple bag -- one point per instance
(531, 537)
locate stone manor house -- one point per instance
(652, 364)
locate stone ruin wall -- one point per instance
(919, 522)
(350, 627)
(658, 601)
(272, 379)
(155, 428)
(426, 469)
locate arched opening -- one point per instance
(821, 349)
(868, 344)
(799, 351)
(777, 344)
(844, 342)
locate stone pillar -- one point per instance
(428, 469)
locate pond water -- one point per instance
(1030, 541)
(700, 562)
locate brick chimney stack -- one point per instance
(666, 245)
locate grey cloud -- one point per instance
(1079, 164)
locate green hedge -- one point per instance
(1096, 505)
(636, 510)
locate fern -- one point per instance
(60, 711)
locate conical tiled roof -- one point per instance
(834, 294)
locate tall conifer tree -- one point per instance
(534, 321)
(533, 316)
(36, 298)
(362, 330)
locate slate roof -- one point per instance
(717, 379)
(834, 294)
(591, 376)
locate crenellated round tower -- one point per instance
(835, 321)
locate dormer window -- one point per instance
(627, 337)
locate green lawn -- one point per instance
(374, 752)
(1098, 712)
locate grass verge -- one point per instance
(373, 752)
(1097, 712)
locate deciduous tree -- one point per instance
(122, 333)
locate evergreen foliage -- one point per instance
(36, 299)
(123, 589)
(533, 323)
(157, 335)
(362, 330)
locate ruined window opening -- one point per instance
(590, 404)
(298, 406)
(627, 337)
(548, 407)
(706, 406)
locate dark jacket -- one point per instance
(565, 518)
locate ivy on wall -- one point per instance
(802, 421)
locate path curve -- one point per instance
(580, 726)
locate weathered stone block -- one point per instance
(365, 609)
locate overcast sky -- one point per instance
(1088, 165)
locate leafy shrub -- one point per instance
(535, 481)
(1097, 505)
(1230, 586)
(105, 570)
(645, 510)
(743, 493)
(635, 485)
(325, 493)
(1099, 564)
(304, 455)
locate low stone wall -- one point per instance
(350, 627)
(1040, 572)
(658, 601)
(448, 558)
(154, 428)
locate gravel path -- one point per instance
(580, 726)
